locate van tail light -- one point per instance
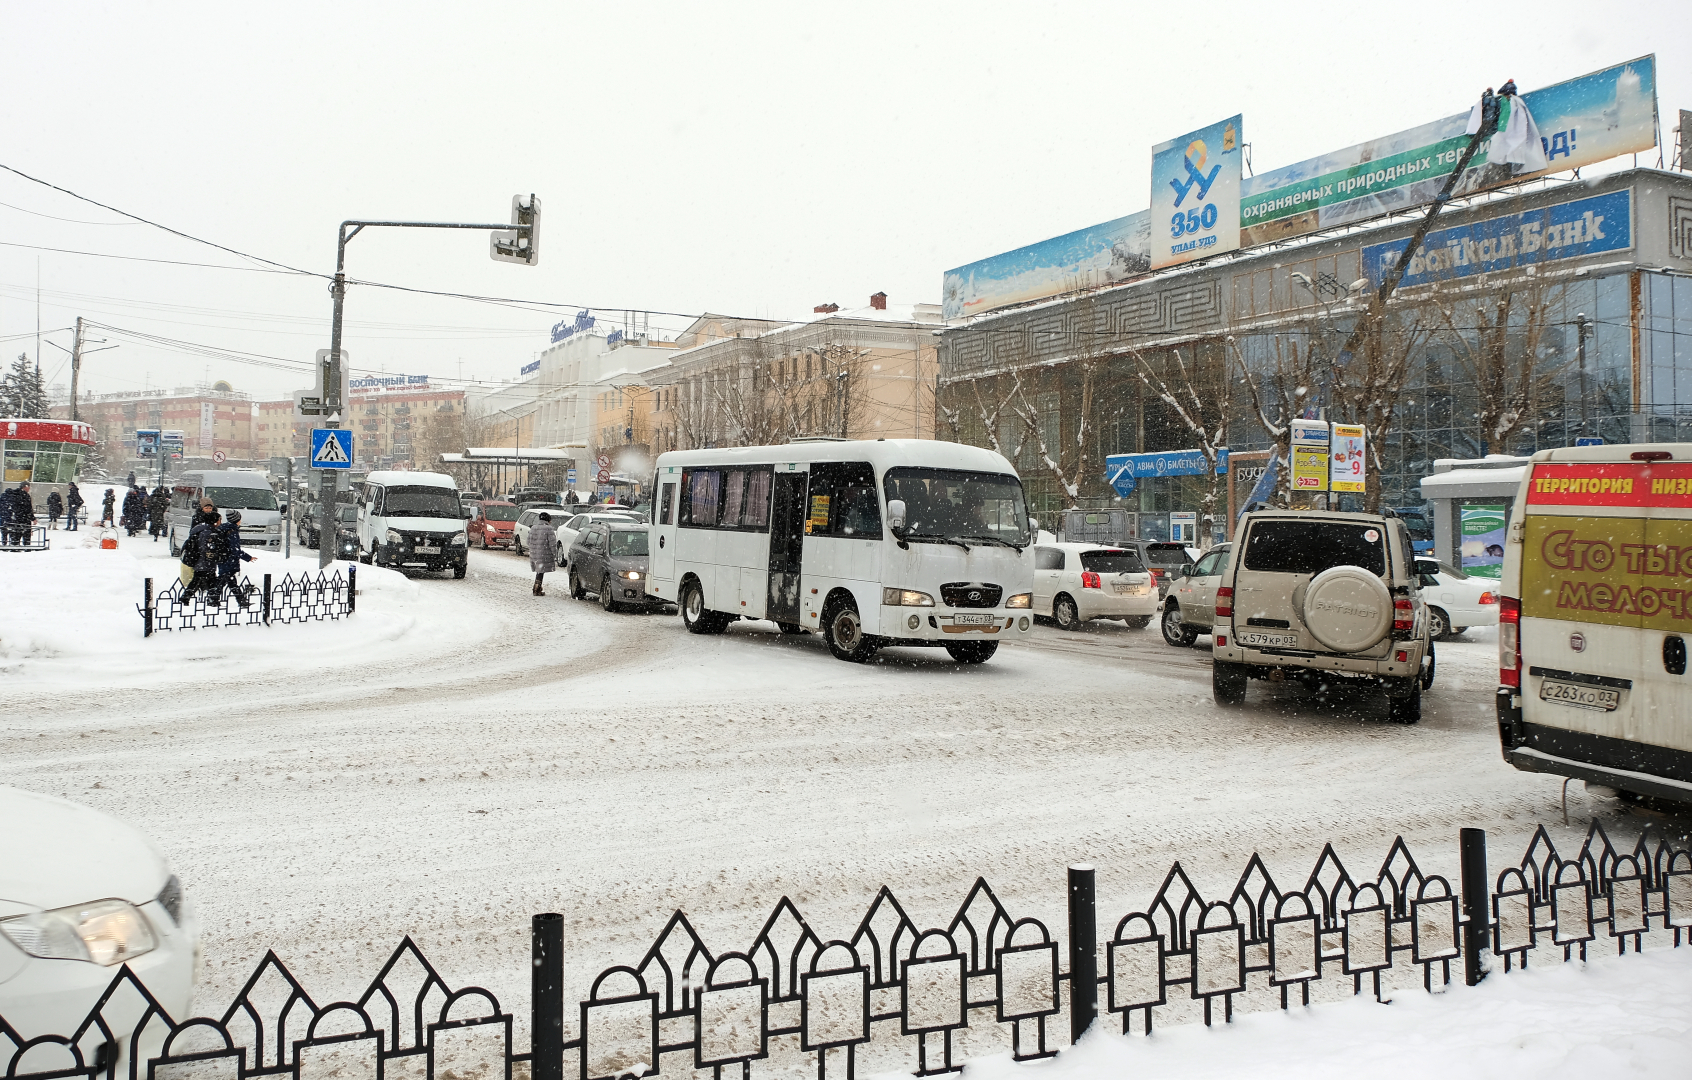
(1225, 602)
(1489, 598)
(1509, 642)
(1090, 580)
(1403, 615)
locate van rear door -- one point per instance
(1582, 630)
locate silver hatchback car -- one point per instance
(610, 559)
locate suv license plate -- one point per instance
(1271, 641)
(1579, 696)
(973, 620)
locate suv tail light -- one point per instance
(1225, 602)
(1509, 641)
(1090, 580)
(1403, 615)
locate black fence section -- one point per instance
(304, 598)
(23, 538)
(793, 998)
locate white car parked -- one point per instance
(1074, 583)
(82, 894)
(1456, 601)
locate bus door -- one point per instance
(787, 539)
(664, 526)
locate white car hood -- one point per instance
(54, 853)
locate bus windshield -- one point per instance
(957, 505)
(242, 498)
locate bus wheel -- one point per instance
(973, 652)
(845, 634)
(693, 613)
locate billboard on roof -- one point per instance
(1104, 254)
(1195, 194)
(1585, 120)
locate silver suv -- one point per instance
(1318, 596)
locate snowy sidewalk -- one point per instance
(1614, 1016)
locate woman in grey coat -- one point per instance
(543, 550)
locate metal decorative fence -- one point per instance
(293, 599)
(24, 538)
(793, 997)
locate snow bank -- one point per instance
(71, 619)
(1617, 1016)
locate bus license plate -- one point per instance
(973, 620)
(1578, 696)
(1269, 641)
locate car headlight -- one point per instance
(1020, 600)
(906, 598)
(394, 536)
(632, 575)
(457, 538)
(105, 932)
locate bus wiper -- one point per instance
(934, 536)
(996, 540)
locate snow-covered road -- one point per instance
(466, 755)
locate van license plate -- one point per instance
(427, 549)
(973, 620)
(1269, 641)
(1579, 696)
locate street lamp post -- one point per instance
(518, 241)
(1582, 325)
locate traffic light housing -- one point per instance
(521, 244)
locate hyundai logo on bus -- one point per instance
(1122, 470)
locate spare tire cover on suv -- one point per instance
(1347, 609)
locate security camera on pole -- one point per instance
(517, 242)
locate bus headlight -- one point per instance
(1020, 600)
(905, 598)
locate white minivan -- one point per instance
(1594, 619)
(413, 519)
(248, 492)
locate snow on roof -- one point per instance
(1503, 481)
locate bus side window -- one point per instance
(667, 505)
(853, 508)
(702, 491)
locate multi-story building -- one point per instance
(397, 421)
(1575, 329)
(862, 373)
(215, 419)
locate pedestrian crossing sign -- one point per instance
(331, 448)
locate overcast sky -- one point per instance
(737, 158)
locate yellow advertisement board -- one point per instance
(1348, 470)
(1617, 571)
(1310, 468)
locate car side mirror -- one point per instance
(1186, 570)
(896, 516)
(1033, 525)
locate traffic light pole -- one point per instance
(523, 246)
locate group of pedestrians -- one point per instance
(212, 557)
(17, 514)
(67, 506)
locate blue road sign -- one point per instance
(1589, 440)
(331, 448)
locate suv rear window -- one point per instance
(1310, 547)
(1112, 562)
(1167, 554)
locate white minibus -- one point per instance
(248, 492)
(890, 542)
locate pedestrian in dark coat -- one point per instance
(55, 507)
(229, 564)
(19, 514)
(134, 510)
(73, 507)
(158, 504)
(131, 480)
(106, 507)
(201, 553)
